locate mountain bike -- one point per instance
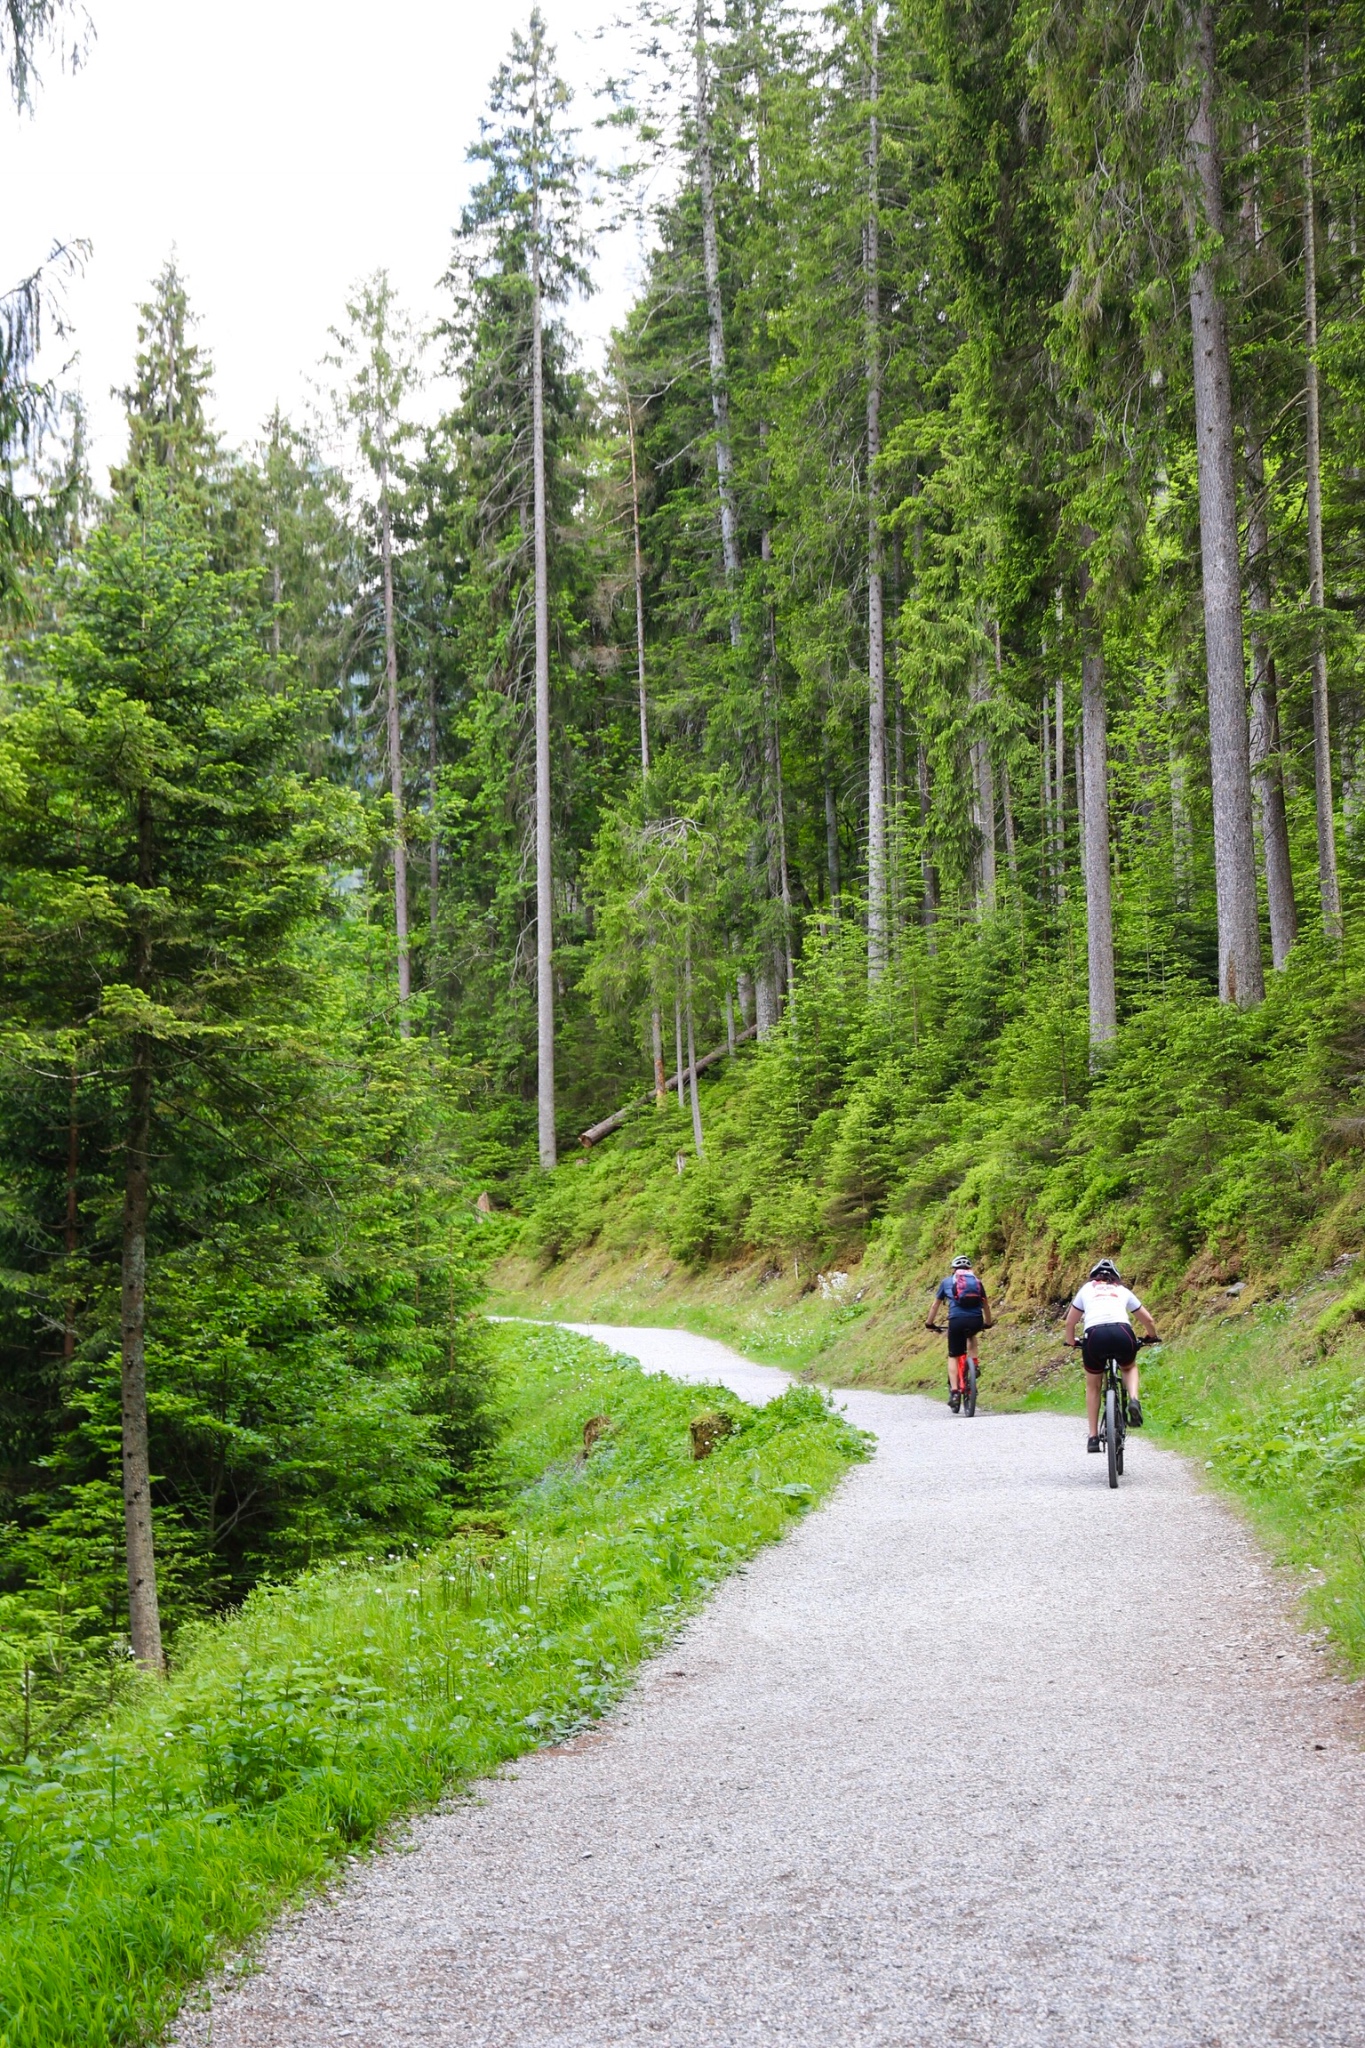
(1114, 1414)
(1113, 1419)
(969, 1375)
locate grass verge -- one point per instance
(292, 1733)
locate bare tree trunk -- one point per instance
(729, 1023)
(779, 824)
(983, 783)
(677, 1034)
(1241, 976)
(1048, 820)
(1267, 772)
(1006, 801)
(876, 630)
(1059, 788)
(692, 1054)
(545, 986)
(1099, 916)
(656, 1022)
(928, 874)
(639, 586)
(1182, 831)
(394, 732)
(832, 847)
(434, 849)
(767, 1002)
(715, 324)
(896, 855)
(144, 1614)
(1329, 886)
(656, 1032)
(72, 1234)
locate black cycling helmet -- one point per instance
(962, 1265)
(1105, 1269)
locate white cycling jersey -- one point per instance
(1106, 1301)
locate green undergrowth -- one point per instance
(293, 1733)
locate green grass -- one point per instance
(292, 1734)
(1271, 1406)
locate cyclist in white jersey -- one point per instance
(1105, 1309)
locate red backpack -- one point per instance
(967, 1289)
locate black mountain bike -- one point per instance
(1113, 1419)
(1114, 1414)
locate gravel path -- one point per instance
(868, 1797)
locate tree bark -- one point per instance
(545, 987)
(1045, 744)
(394, 734)
(692, 1055)
(1182, 831)
(928, 873)
(434, 848)
(1006, 799)
(1266, 769)
(1059, 788)
(983, 782)
(715, 324)
(144, 1614)
(876, 632)
(779, 828)
(656, 1034)
(639, 586)
(678, 1036)
(1329, 887)
(72, 1234)
(832, 847)
(1240, 973)
(1099, 915)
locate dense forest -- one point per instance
(894, 727)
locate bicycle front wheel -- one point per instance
(969, 1388)
(1113, 1441)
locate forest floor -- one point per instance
(982, 1753)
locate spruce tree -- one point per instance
(522, 250)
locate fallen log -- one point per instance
(614, 1122)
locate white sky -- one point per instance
(286, 148)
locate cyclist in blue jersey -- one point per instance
(969, 1313)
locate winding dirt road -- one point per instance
(981, 1754)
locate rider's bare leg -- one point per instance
(1130, 1382)
(1094, 1383)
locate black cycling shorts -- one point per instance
(1106, 1341)
(969, 1323)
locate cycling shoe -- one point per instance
(1134, 1413)
(955, 1399)
(1092, 1443)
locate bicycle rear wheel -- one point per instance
(1113, 1441)
(969, 1387)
